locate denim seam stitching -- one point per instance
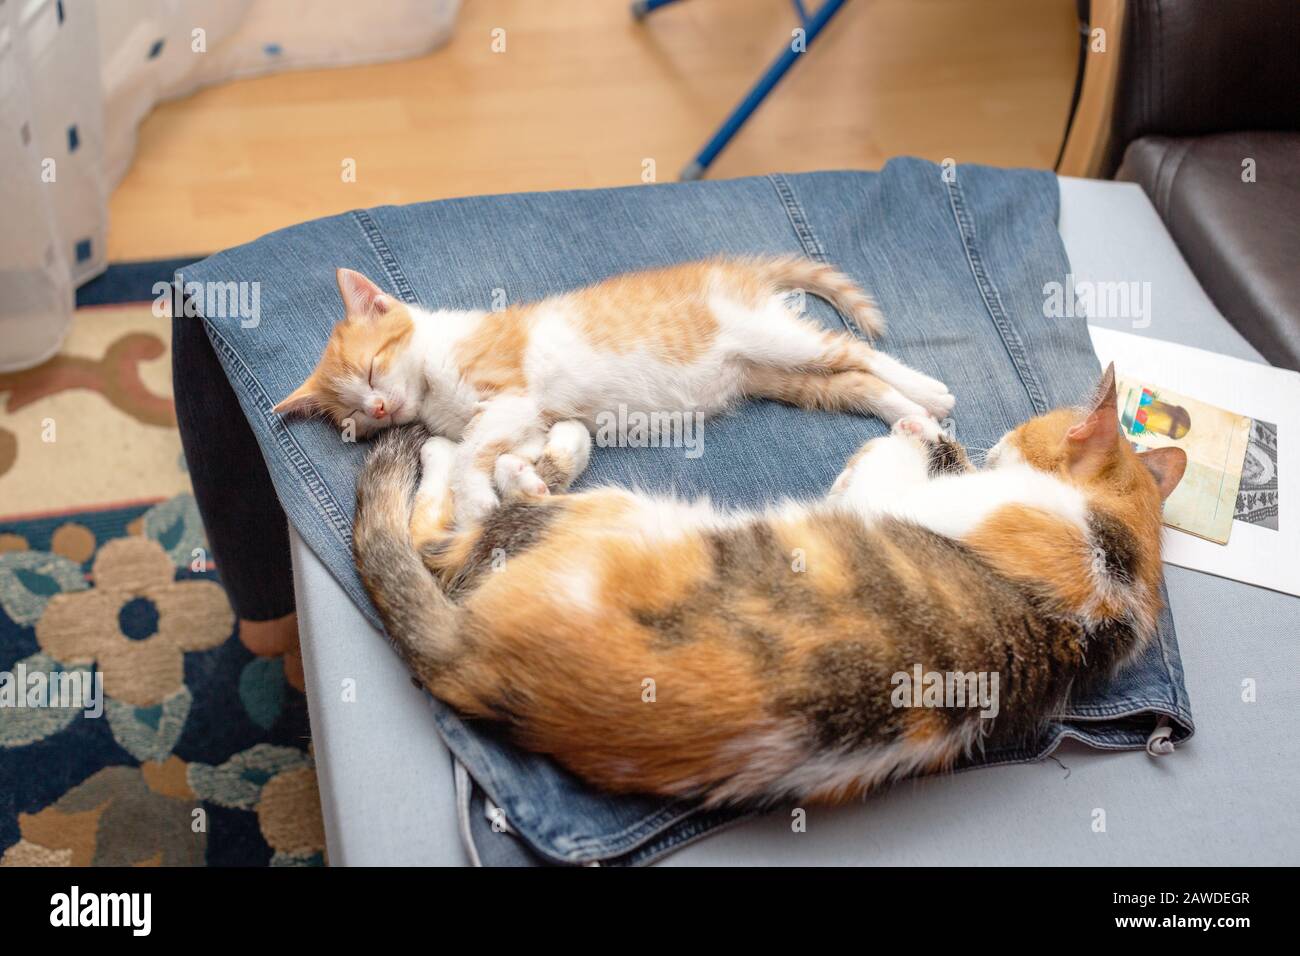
(678, 839)
(1136, 708)
(379, 245)
(798, 217)
(284, 439)
(1049, 747)
(1011, 340)
(463, 783)
(803, 231)
(1166, 634)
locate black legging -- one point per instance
(246, 527)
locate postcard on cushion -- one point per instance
(1239, 423)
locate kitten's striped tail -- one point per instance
(827, 282)
(421, 620)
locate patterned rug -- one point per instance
(198, 751)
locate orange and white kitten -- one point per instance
(774, 642)
(696, 337)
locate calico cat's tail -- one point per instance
(827, 282)
(421, 620)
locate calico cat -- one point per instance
(695, 337)
(773, 677)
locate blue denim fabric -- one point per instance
(958, 267)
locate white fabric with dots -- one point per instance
(78, 76)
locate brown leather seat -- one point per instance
(1201, 87)
(1241, 237)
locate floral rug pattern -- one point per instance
(201, 755)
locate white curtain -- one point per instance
(76, 78)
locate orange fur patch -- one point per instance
(492, 357)
(664, 311)
(1032, 546)
(853, 391)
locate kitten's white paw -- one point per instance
(938, 404)
(893, 406)
(533, 486)
(918, 426)
(568, 445)
(569, 441)
(930, 393)
(515, 476)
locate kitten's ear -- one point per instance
(303, 400)
(362, 299)
(1166, 466)
(1094, 439)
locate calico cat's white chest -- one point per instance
(956, 505)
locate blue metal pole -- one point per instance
(640, 8)
(696, 168)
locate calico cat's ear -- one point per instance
(303, 400)
(1092, 441)
(1166, 466)
(362, 299)
(1104, 394)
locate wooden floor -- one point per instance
(583, 96)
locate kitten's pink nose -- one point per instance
(378, 411)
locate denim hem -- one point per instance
(680, 838)
(575, 850)
(1099, 737)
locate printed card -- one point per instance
(1215, 441)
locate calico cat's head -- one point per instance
(1125, 489)
(359, 377)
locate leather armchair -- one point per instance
(1205, 116)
